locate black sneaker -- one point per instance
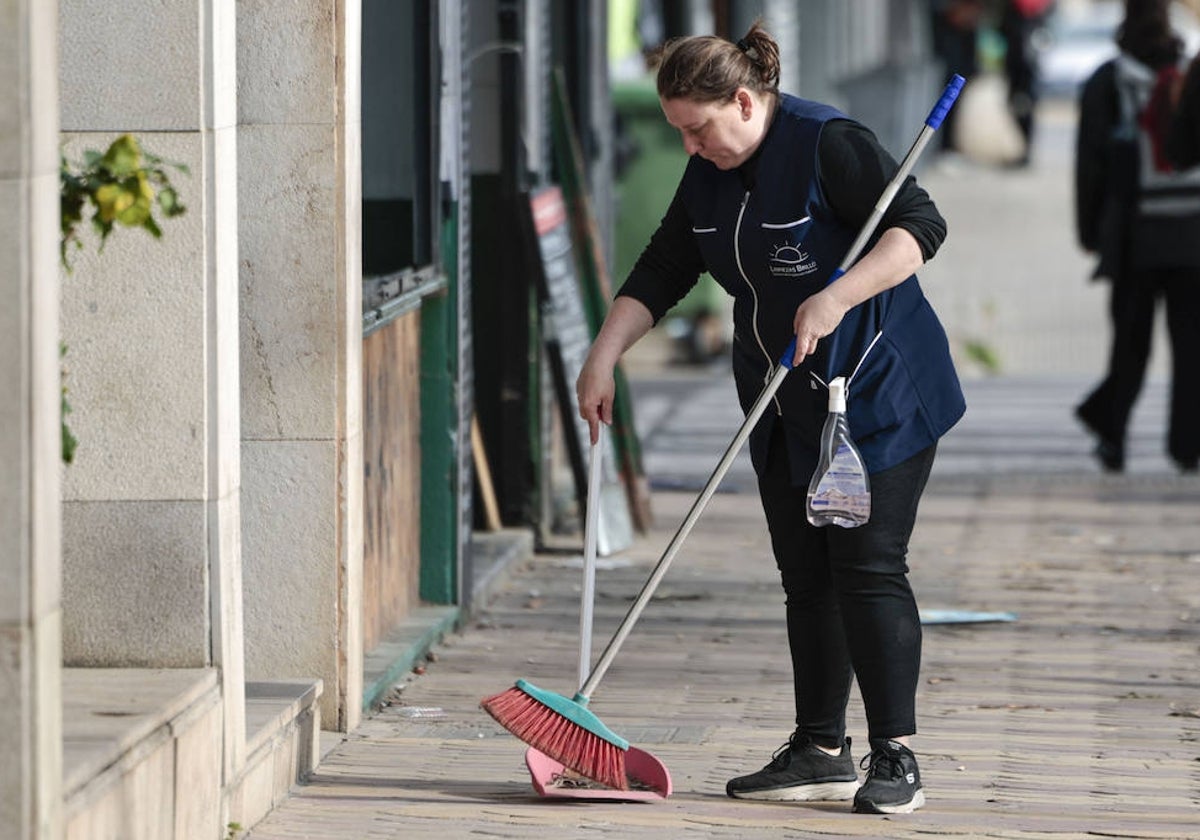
(800, 771)
(1110, 453)
(893, 783)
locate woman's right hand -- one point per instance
(595, 390)
(626, 322)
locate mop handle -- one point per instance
(760, 405)
(590, 540)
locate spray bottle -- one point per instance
(840, 490)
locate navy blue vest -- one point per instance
(775, 245)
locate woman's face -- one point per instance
(724, 133)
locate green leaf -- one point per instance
(123, 185)
(983, 355)
(69, 444)
(111, 199)
(124, 156)
(102, 228)
(168, 200)
(135, 201)
(71, 210)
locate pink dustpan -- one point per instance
(642, 768)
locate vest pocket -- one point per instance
(782, 250)
(786, 225)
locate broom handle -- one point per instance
(932, 122)
(590, 540)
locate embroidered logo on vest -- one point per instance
(787, 260)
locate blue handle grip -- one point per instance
(943, 106)
(788, 355)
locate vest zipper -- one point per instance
(737, 257)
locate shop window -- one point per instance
(399, 148)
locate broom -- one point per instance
(565, 729)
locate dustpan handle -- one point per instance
(698, 506)
(590, 541)
(932, 122)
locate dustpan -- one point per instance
(647, 775)
(648, 778)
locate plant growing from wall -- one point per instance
(123, 186)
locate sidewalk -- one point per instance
(1080, 718)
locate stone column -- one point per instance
(301, 345)
(30, 569)
(151, 528)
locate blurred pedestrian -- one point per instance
(1183, 137)
(955, 32)
(1020, 23)
(774, 194)
(1143, 220)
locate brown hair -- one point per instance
(705, 68)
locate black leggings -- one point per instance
(850, 609)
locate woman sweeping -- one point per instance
(772, 197)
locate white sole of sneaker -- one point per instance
(819, 792)
(913, 804)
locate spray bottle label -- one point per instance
(841, 495)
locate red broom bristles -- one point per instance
(565, 741)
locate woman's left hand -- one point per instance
(892, 259)
(816, 318)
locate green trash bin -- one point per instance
(651, 161)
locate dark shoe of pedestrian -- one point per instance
(1188, 466)
(1110, 453)
(800, 771)
(893, 783)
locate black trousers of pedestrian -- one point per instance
(850, 608)
(1131, 307)
(1021, 67)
